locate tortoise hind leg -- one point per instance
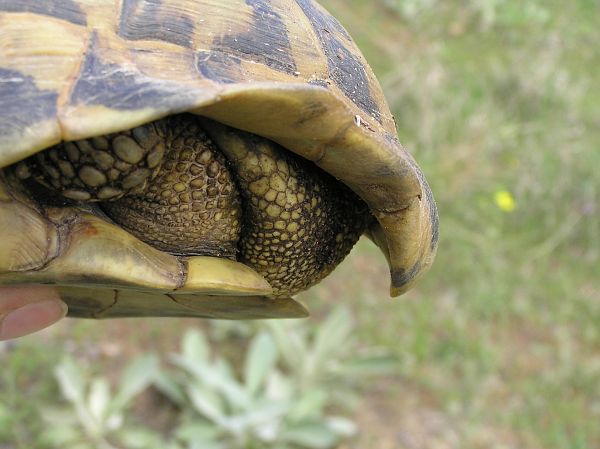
(164, 182)
(102, 168)
(192, 206)
(299, 222)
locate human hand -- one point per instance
(24, 310)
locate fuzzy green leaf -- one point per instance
(58, 417)
(311, 435)
(197, 431)
(168, 385)
(371, 365)
(194, 347)
(71, 381)
(61, 436)
(342, 426)
(262, 412)
(291, 344)
(261, 359)
(138, 375)
(99, 399)
(207, 403)
(219, 377)
(140, 438)
(201, 435)
(309, 405)
(333, 336)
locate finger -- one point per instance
(24, 310)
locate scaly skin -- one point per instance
(176, 184)
(191, 206)
(299, 222)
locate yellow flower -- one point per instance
(504, 200)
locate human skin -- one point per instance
(24, 310)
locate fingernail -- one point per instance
(31, 318)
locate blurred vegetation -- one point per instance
(286, 393)
(497, 99)
(499, 346)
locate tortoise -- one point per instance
(205, 158)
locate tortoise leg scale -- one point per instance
(191, 206)
(299, 222)
(190, 186)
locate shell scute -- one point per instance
(67, 10)
(346, 69)
(265, 41)
(313, 91)
(19, 92)
(149, 20)
(220, 67)
(119, 86)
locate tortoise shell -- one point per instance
(285, 70)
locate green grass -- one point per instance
(26, 383)
(500, 343)
(504, 332)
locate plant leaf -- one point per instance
(291, 344)
(113, 422)
(197, 432)
(194, 347)
(342, 426)
(309, 405)
(207, 403)
(167, 384)
(313, 435)
(208, 445)
(218, 376)
(280, 386)
(71, 381)
(261, 413)
(138, 375)
(261, 359)
(333, 335)
(371, 365)
(58, 417)
(61, 436)
(99, 399)
(140, 438)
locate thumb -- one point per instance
(24, 310)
